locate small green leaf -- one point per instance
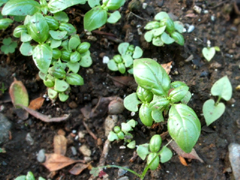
(126, 127)
(25, 37)
(5, 22)
(131, 145)
(165, 154)
(161, 15)
(18, 31)
(222, 88)
(18, 94)
(74, 67)
(30, 176)
(187, 98)
(71, 30)
(57, 35)
(170, 25)
(178, 38)
(212, 111)
(74, 79)
(112, 136)
(95, 18)
(93, 3)
(26, 49)
(208, 53)
(86, 60)
(127, 59)
(155, 158)
(176, 84)
(178, 93)
(42, 56)
(122, 48)
(22, 177)
(61, 17)
(114, 17)
(179, 26)
(144, 95)
(152, 25)
(145, 114)
(166, 38)
(132, 123)
(157, 41)
(60, 85)
(148, 36)
(59, 5)
(184, 126)
(21, 7)
(114, 4)
(3, 2)
(63, 97)
(157, 115)
(217, 48)
(74, 42)
(75, 57)
(131, 102)
(95, 171)
(142, 151)
(7, 41)
(155, 143)
(137, 52)
(52, 94)
(55, 43)
(158, 31)
(112, 65)
(83, 47)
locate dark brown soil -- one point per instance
(198, 74)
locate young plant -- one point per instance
(125, 59)
(3, 89)
(209, 52)
(99, 15)
(29, 176)
(52, 42)
(8, 46)
(213, 110)
(123, 133)
(158, 96)
(164, 30)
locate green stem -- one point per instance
(127, 169)
(219, 98)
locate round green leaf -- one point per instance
(26, 49)
(60, 85)
(52, 94)
(157, 115)
(208, 53)
(145, 115)
(83, 47)
(176, 84)
(74, 79)
(212, 112)
(137, 52)
(86, 60)
(160, 16)
(93, 3)
(155, 143)
(122, 48)
(121, 68)
(18, 31)
(114, 4)
(153, 159)
(152, 25)
(25, 37)
(166, 38)
(148, 36)
(144, 95)
(178, 93)
(142, 151)
(131, 102)
(114, 17)
(74, 42)
(63, 97)
(157, 41)
(42, 56)
(179, 26)
(127, 59)
(222, 88)
(131, 145)
(112, 65)
(178, 38)
(74, 67)
(61, 17)
(20, 7)
(184, 126)
(56, 5)
(112, 136)
(71, 30)
(170, 25)
(95, 18)
(158, 31)
(55, 43)
(159, 103)
(187, 98)
(57, 35)
(5, 22)
(75, 57)
(126, 127)
(165, 154)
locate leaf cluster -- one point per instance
(123, 133)
(213, 110)
(158, 97)
(164, 30)
(8, 46)
(100, 15)
(29, 176)
(52, 42)
(123, 61)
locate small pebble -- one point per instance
(234, 158)
(87, 159)
(99, 142)
(41, 156)
(72, 105)
(144, 5)
(85, 150)
(105, 59)
(81, 134)
(74, 151)
(191, 28)
(121, 172)
(29, 139)
(61, 132)
(124, 178)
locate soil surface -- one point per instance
(219, 22)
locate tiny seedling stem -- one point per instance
(219, 98)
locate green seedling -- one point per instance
(52, 42)
(100, 15)
(8, 46)
(124, 60)
(29, 176)
(209, 52)
(213, 110)
(164, 30)
(158, 97)
(3, 89)
(123, 133)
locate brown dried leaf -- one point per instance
(36, 103)
(78, 168)
(122, 81)
(60, 144)
(55, 162)
(183, 161)
(180, 152)
(167, 67)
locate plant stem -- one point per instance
(127, 169)
(219, 98)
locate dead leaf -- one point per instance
(55, 162)
(21, 113)
(78, 168)
(43, 117)
(36, 103)
(18, 94)
(183, 161)
(167, 67)
(122, 81)
(60, 144)
(180, 152)
(191, 15)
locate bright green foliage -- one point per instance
(209, 52)
(100, 15)
(157, 95)
(123, 61)
(29, 176)
(52, 42)
(213, 110)
(164, 30)
(8, 46)
(123, 133)
(5, 22)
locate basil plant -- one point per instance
(52, 42)
(164, 30)
(123, 61)
(100, 15)
(157, 97)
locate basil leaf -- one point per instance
(61, 16)
(131, 102)
(38, 28)
(86, 59)
(60, 85)
(57, 35)
(26, 49)
(3, 2)
(20, 7)
(95, 18)
(59, 5)
(114, 4)
(178, 93)
(5, 22)
(184, 126)
(93, 3)
(122, 48)
(151, 75)
(114, 17)
(42, 56)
